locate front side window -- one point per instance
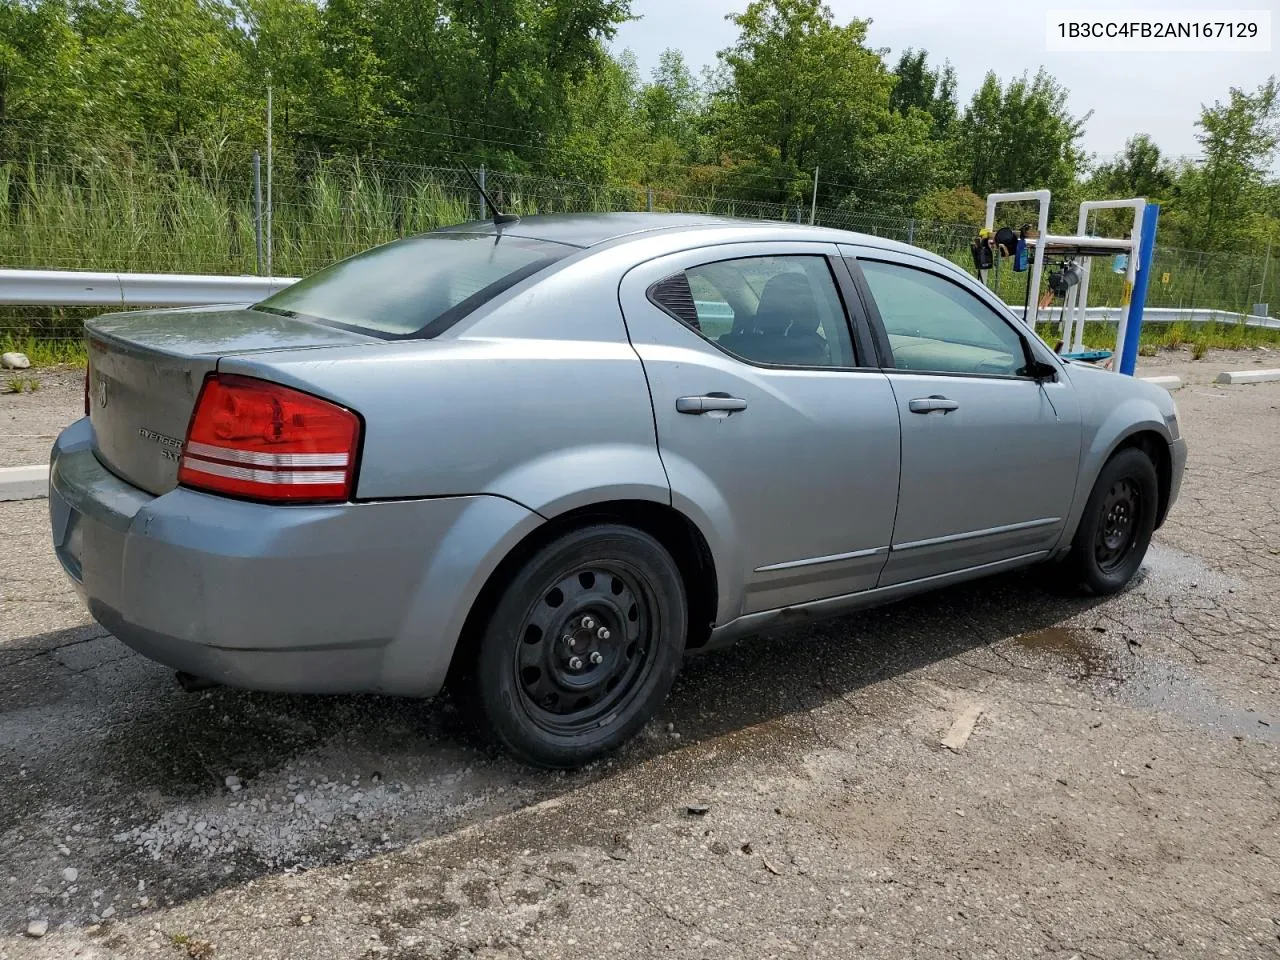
(418, 286)
(937, 326)
(779, 311)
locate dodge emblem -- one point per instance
(102, 393)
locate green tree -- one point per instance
(953, 205)
(1020, 137)
(40, 98)
(894, 167)
(1227, 193)
(179, 68)
(606, 138)
(797, 91)
(491, 78)
(672, 100)
(933, 91)
(1139, 171)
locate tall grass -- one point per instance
(161, 213)
(46, 352)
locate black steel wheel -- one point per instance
(583, 646)
(1118, 529)
(1115, 529)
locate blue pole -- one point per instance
(1146, 254)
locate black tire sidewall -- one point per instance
(1129, 463)
(495, 680)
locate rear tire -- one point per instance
(582, 646)
(1115, 529)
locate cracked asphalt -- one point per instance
(1119, 795)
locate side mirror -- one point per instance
(1040, 371)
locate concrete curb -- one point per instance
(1248, 376)
(1169, 382)
(24, 483)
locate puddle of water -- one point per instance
(1136, 679)
(1077, 647)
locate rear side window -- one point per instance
(416, 287)
(778, 311)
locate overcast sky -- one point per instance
(1155, 93)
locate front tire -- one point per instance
(583, 646)
(1115, 529)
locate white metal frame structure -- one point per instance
(1080, 245)
(1073, 310)
(1042, 229)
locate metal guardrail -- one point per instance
(73, 288)
(1159, 315)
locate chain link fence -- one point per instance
(160, 213)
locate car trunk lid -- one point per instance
(146, 370)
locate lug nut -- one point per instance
(569, 641)
(603, 633)
(596, 657)
(588, 623)
(575, 663)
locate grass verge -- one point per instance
(46, 353)
(1201, 337)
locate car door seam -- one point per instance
(653, 409)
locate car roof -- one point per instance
(590, 229)
(594, 229)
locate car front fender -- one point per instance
(1128, 417)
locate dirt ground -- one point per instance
(31, 420)
(1119, 795)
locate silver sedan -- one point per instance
(545, 459)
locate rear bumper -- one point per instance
(350, 598)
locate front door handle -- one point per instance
(710, 402)
(932, 404)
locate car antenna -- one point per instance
(499, 217)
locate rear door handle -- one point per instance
(932, 404)
(710, 402)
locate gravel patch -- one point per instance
(286, 820)
(30, 421)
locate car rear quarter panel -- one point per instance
(550, 424)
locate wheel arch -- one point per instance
(678, 534)
(1134, 421)
(1156, 447)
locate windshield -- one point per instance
(416, 287)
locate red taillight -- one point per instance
(255, 439)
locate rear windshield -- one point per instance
(416, 287)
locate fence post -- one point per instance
(813, 205)
(1266, 262)
(257, 209)
(482, 187)
(270, 164)
(649, 198)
